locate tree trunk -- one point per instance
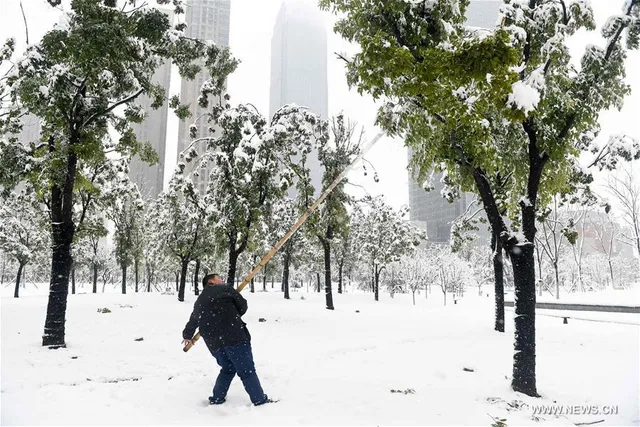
(177, 281)
(539, 258)
(124, 277)
(252, 286)
(413, 294)
(95, 278)
(285, 275)
(184, 266)
(196, 273)
(555, 268)
(264, 279)
(376, 283)
(16, 292)
(54, 327)
(62, 231)
(318, 282)
(498, 272)
(135, 272)
(148, 279)
(524, 358)
(611, 273)
(272, 280)
(326, 246)
(4, 265)
(340, 267)
(233, 262)
(73, 278)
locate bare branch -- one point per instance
(26, 27)
(113, 107)
(340, 56)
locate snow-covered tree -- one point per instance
(332, 218)
(253, 167)
(345, 254)
(497, 102)
(82, 79)
(626, 191)
(23, 230)
(126, 212)
(285, 213)
(178, 221)
(557, 232)
(86, 251)
(464, 230)
(607, 233)
(382, 236)
(414, 271)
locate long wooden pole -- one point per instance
(265, 259)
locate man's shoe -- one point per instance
(266, 400)
(214, 401)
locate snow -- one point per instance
(333, 367)
(524, 200)
(523, 96)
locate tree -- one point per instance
(23, 233)
(285, 213)
(178, 221)
(607, 233)
(125, 208)
(577, 248)
(449, 271)
(332, 220)
(626, 191)
(345, 254)
(87, 250)
(253, 167)
(414, 271)
(383, 236)
(488, 104)
(81, 80)
(558, 230)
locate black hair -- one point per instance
(208, 277)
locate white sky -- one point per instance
(250, 39)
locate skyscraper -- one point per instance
(206, 20)
(153, 129)
(429, 206)
(299, 65)
(31, 129)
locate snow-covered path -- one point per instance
(326, 367)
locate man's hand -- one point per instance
(185, 342)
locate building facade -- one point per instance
(206, 20)
(150, 178)
(299, 65)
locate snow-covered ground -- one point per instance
(327, 367)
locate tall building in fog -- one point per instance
(206, 20)
(153, 130)
(299, 64)
(31, 129)
(429, 206)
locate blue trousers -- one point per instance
(237, 359)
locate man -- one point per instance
(217, 313)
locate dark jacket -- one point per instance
(217, 313)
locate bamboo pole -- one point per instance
(265, 259)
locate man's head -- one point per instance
(212, 279)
